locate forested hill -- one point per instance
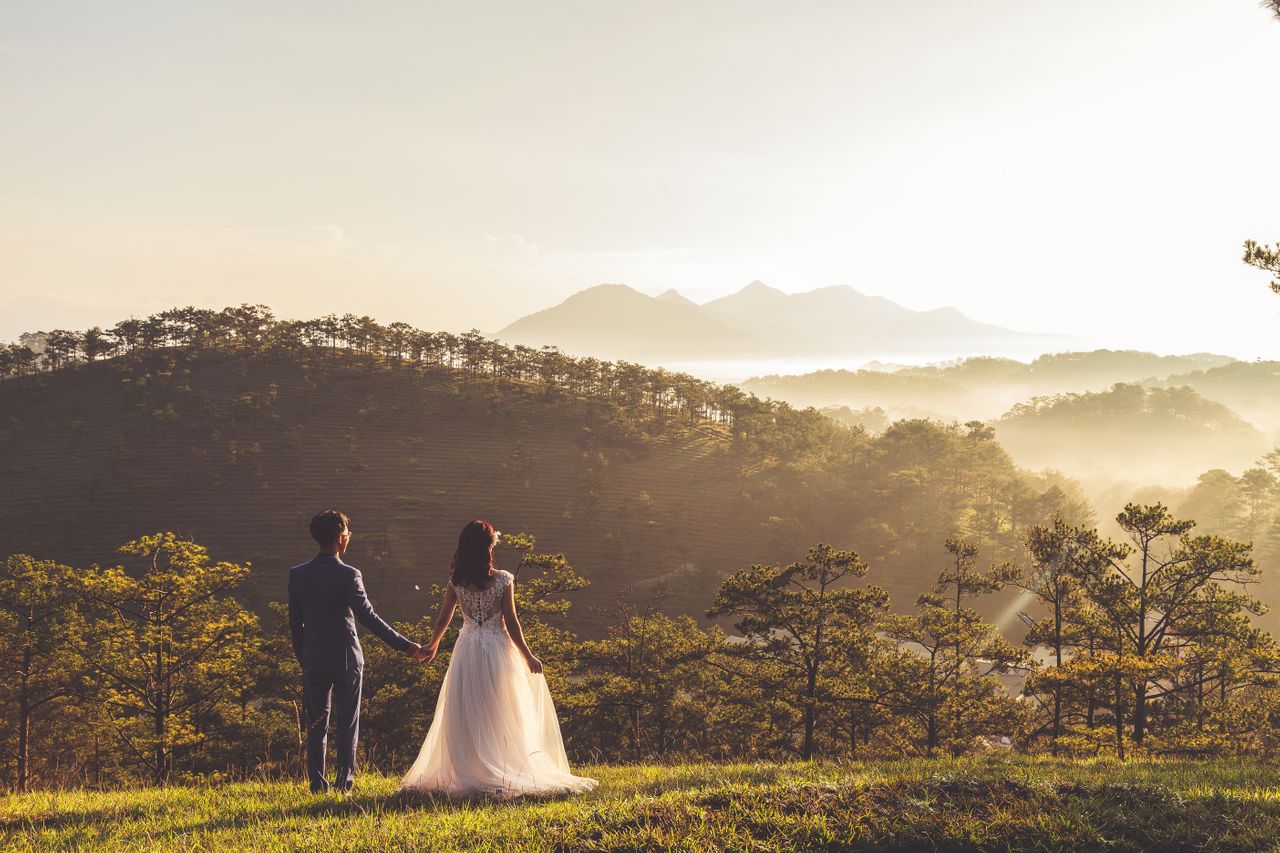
(1153, 435)
(642, 478)
(987, 387)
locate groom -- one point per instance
(326, 596)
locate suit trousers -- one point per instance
(339, 688)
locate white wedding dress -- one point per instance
(495, 730)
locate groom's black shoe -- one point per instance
(343, 779)
(319, 789)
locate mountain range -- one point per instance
(616, 321)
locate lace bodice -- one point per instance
(494, 731)
(482, 609)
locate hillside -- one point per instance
(238, 451)
(1181, 416)
(983, 388)
(240, 456)
(1252, 389)
(1156, 435)
(757, 322)
(996, 804)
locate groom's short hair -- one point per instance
(327, 526)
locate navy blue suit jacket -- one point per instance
(326, 597)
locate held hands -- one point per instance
(422, 654)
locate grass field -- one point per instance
(995, 804)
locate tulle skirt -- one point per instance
(495, 731)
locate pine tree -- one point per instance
(167, 644)
(945, 653)
(1152, 591)
(37, 636)
(797, 617)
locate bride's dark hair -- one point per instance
(474, 557)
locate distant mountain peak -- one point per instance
(759, 287)
(618, 321)
(758, 321)
(606, 290)
(755, 297)
(673, 295)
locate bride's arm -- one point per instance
(443, 618)
(513, 627)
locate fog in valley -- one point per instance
(1119, 423)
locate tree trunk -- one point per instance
(1140, 689)
(1139, 712)
(807, 751)
(1200, 697)
(24, 723)
(1092, 707)
(161, 775)
(1119, 718)
(161, 720)
(811, 691)
(635, 732)
(299, 727)
(955, 688)
(1057, 718)
(1057, 684)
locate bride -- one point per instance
(495, 730)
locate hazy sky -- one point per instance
(1088, 167)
